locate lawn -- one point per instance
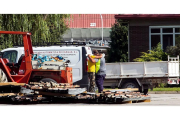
(167, 89)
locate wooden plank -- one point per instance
(130, 102)
(137, 101)
(148, 100)
(35, 83)
(7, 94)
(133, 89)
(9, 82)
(130, 89)
(12, 83)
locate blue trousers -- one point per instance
(99, 82)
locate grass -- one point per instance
(167, 89)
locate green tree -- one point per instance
(44, 27)
(156, 54)
(118, 51)
(173, 50)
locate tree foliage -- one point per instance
(156, 54)
(173, 50)
(118, 51)
(44, 27)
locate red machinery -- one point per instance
(23, 72)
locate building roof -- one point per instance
(145, 16)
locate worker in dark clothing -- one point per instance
(100, 70)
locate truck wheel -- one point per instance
(48, 80)
(3, 77)
(130, 85)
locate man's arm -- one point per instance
(98, 56)
(91, 59)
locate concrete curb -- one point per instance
(164, 92)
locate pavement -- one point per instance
(160, 100)
(163, 92)
(155, 100)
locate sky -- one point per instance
(91, 6)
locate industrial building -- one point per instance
(88, 28)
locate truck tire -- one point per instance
(3, 77)
(47, 80)
(130, 85)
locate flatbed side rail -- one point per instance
(168, 68)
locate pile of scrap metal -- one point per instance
(55, 89)
(114, 96)
(13, 91)
(64, 92)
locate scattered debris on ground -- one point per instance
(50, 92)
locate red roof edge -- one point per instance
(140, 16)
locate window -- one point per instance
(10, 55)
(166, 35)
(155, 30)
(155, 39)
(177, 39)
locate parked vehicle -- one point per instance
(75, 53)
(142, 75)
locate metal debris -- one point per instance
(49, 91)
(64, 89)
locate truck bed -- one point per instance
(142, 69)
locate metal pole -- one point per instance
(102, 26)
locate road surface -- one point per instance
(156, 100)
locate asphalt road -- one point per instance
(156, 100)
(108, 111)
(160, 100)
(163, 99)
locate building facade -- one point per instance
(145, 31)
(88, 28)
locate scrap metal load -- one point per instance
(113, 97)
(55, 64)
(64, 92)
(49, 62)
(56, 89)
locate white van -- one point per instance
(76, 54)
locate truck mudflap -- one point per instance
(173, 81)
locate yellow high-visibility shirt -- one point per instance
(91, 66)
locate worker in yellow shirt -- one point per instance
(100, 70)
(91, 72)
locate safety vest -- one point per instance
(98, 66)
(91, 65)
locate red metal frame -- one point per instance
(27, 51)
